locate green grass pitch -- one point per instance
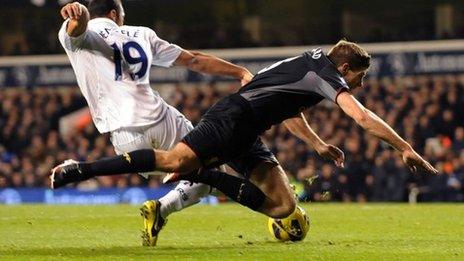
(231, 232)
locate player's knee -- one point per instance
(284, 209)
(172, 162)
(179, 164)
(288, 208)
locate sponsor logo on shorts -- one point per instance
(127, 157)
(155, 144)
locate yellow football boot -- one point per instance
(152, 222)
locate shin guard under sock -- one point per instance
(238, 189)
(132, 162)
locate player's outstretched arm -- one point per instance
(78, 18)
(377, 127)
(299, 127)
(210, 64)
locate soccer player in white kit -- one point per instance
(111, 62)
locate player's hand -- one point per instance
(246, 78)
(72, 10)
(331, 152)
(414, 161)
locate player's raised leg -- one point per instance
(179, 159)
(279, 202)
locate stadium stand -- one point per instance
(427, 110)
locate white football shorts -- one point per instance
(163, 135)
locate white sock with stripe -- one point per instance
(182, 196)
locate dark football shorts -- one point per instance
(227, 134)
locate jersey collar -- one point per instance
(331, 65)
(103, 21)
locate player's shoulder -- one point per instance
(324, 68)
(318, 61)
(317, 56)
(315, 53)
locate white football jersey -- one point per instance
(112, 66)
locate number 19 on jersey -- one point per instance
(131, 60)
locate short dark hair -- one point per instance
(351, 53)
(100, 8)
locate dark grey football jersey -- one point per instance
(290, 86)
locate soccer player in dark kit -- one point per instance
(229, 132)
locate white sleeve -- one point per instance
(164, 53)
(69, 42)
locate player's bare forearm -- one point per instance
(205, 63)
(209, 64)
(370, 122)
(299, 127)
(379, 128)
(376, 126)
(78, 18)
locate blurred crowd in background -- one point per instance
(427, 110)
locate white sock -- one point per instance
(182, 196)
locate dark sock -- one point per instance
(132, 162)
(238, 189)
